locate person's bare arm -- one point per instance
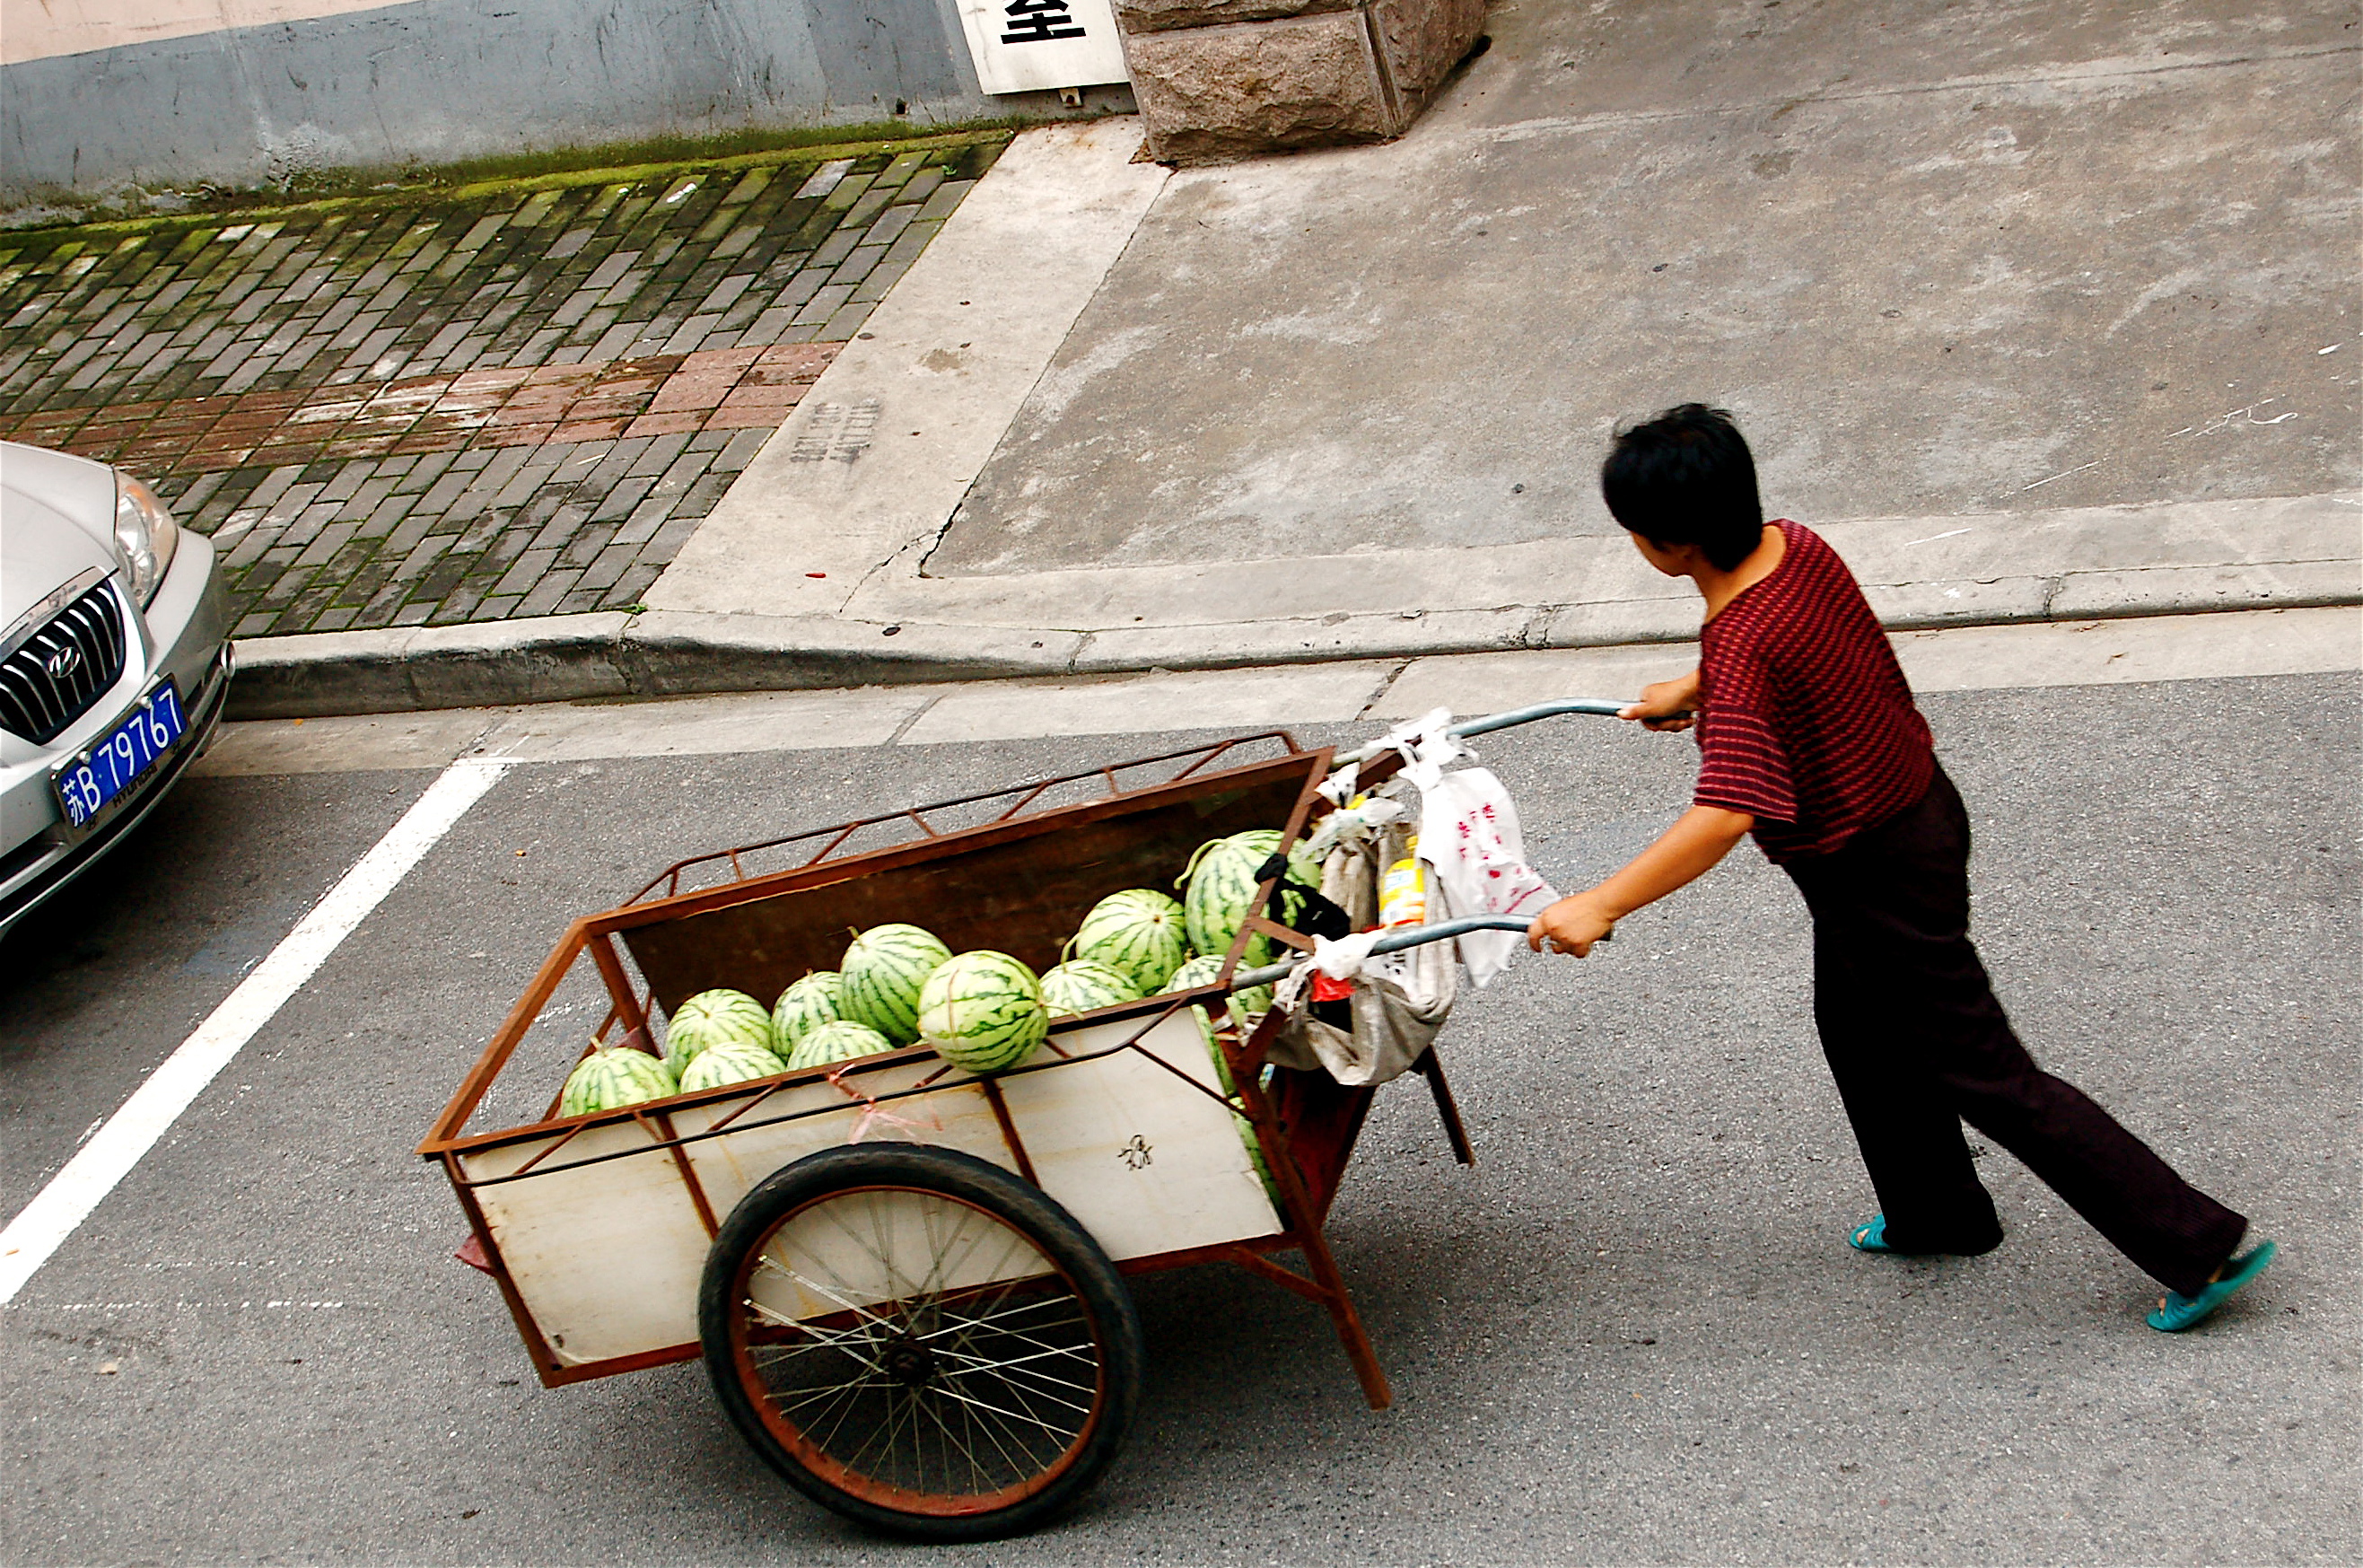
(1683, 854)
(1667, 705)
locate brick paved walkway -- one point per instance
(505, 400)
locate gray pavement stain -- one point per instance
(323, 387)
(1632, 1333)
(231, 950)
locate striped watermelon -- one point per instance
(1202, 970)
(982, 1011)
(1221, 884)
(804, 1007)
(1246, 1129)
(837, 1043)
(1262, 1166)
(1199, 970)
(1081, 984)
(1139, 932)
(712, 1018)
(882, 973)
(615, 1076)
(728, 1063)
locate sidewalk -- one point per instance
(516, 398)
(1979, 291)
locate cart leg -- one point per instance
(1322, 1267)
(1448, 1111)
(1305, 1222)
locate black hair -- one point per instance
(1685, 477)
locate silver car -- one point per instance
(113, 665)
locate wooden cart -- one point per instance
(907, 1280)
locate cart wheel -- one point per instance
(920, 1341)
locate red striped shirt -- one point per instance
(1805, 722)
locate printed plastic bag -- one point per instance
(1468, 834)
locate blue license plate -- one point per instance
(103, 771)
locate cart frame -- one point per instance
(1306, 1124)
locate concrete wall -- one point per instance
(99, 94)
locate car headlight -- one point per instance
(145, 537)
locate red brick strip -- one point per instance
(721, 389)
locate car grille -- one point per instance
(61, 669)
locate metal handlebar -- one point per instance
(1419, 936)
(1603, 707)
(1415, 936)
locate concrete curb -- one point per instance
(573, 657)
(675, 652)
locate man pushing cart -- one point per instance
(1809, 739)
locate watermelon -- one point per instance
(982, 1011)
(611, 1077)
(1202, 970)
(1199, 970)
(1221, 883)
(804, 1007)
(712, 1018)
(728, 1063)
(1262, 1167)
(1081, 984)
(1246, 1129)
(837, 1043)
(1139, 932)
(882, 973)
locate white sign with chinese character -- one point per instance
(1025, 46)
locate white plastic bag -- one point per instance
(1469, 837)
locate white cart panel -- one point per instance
(608, 1256)
(1146, 1162)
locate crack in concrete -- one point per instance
(1386, 684)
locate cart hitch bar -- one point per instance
(1603, 707)
(1411, 936)
(1419, 936)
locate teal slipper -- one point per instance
(1870, 1238)
(2178, 1312)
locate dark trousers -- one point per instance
(1918, 1045)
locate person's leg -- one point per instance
(1909, 1134)
(1918, 908)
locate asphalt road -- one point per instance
(1632, 1333)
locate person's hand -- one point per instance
(1668, 705)
(1569, 926)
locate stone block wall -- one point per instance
(1218, 80)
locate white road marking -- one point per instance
(57, 1209)
(2041, 483)
(194, 1305)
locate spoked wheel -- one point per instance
(920, 1341)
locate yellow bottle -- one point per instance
(1403, 891)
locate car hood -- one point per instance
(57, 517)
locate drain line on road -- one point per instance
(59, 1207)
